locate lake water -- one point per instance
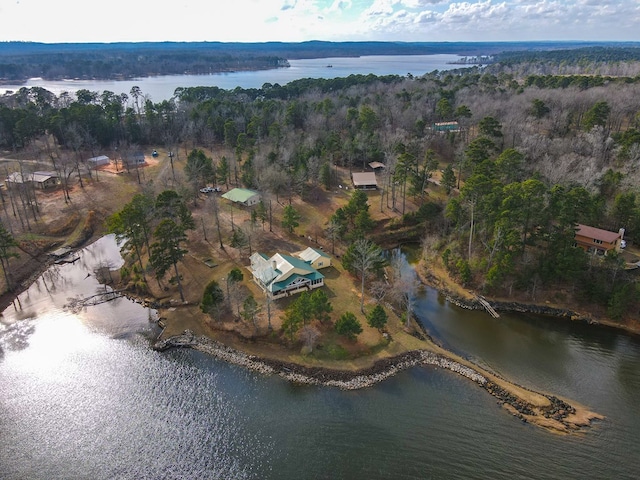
(82, 396)
(163, 87)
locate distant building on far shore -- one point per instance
(444, 127)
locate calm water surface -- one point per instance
(83, 396)
(163, 87)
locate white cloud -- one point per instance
(421, 3)
(288, 5)
(426, 17)
(298, 20)
(339, 6)
(381, 7)
(474, 12)
(507, 20)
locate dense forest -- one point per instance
(494, 201)
(22, 60)
(19, 62)
(594, 60)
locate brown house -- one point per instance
(364, 180)
(597, 241)
(41, 180)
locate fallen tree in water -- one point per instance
(76, 304)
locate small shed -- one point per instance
(376, 166)
(364, 180)
(134, 159)
(99, 161)
(44, 180)
(243, 195)
(314, 257)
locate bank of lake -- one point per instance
(186, 326)
(83, 394)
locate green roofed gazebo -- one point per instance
(242, 195)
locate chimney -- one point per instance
(621, 232)
(274, 265)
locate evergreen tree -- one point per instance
(290, 218)
(598, 115)
(223, 171)
(490, 127)
(538, 108)
(325, 175)
(377, 318)
(132, 225)
(170, 205)
(448, 179)
(320, 306)
(291, 323)
(348, 326)
(167, 250)
(261, 213)
(199, 169)
(212, 299)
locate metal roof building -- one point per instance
(242, 195)
(314, 257)
(283, 275)
(364, 180)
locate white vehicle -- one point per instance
(623, 244)
(209, 189)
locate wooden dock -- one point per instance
(487, 306)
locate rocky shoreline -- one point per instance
(557, 411)
(470, 304)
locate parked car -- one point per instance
(623, 244)
(154, 154)
(209, 189)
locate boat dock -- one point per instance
(487, 306)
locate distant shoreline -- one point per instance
(20, 61)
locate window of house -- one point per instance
(599, 242)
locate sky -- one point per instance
(53, 21)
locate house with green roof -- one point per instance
(444, 127)
(243, 195)
(283, 275)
